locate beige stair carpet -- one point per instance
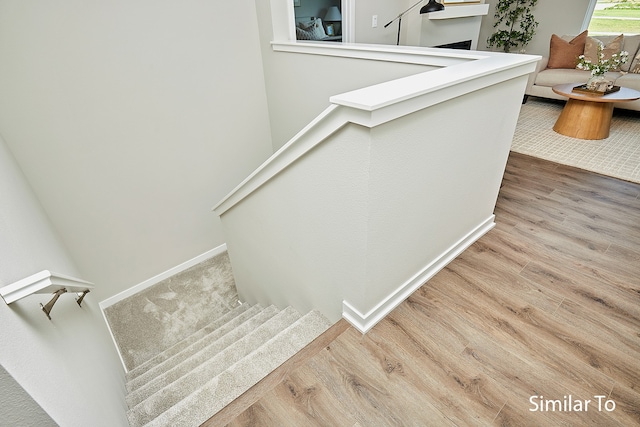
(146, 324)
(191, 348)
(213, 394)
(232, 322)
(209, 361)
(219, 325)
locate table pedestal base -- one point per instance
(585, 119)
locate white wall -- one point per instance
(305, 271)
(416, 29)
(130, 120)
(299, 86)
(554, 17)
(18, 408)
(386, 11)
(68, 365)
(127, 122)
(559, 17)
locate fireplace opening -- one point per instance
(464, 45)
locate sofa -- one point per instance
(559, 67)
(312, 28)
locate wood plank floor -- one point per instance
(546, 304)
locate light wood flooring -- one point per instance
(546, 304)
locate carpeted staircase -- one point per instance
(190, 380)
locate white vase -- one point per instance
(598, 83)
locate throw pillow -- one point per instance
(303, 35)
(563, 54)
(635, 65)
(315, 27)
(631, 44)
(591, 48)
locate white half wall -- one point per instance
(382, 190)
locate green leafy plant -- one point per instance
(517, 17)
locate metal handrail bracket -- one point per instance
(44, 282)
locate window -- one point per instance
(615, 17)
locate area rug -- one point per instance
(617, 156)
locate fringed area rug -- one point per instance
(617, 156)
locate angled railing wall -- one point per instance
(379, 192)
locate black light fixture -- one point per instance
(432, 6)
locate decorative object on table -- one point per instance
(604, 60)
(598, 83)
(604, 88)
(333, 17)
(520, 24)
(432, 6)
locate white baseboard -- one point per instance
(364, 322)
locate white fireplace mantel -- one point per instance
(454, 24)
(461, 11)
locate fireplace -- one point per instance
(458, 26)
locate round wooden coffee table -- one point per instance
(588, 116)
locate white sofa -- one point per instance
(544, 78)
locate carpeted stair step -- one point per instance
(217, 392)
(196, 355)
(226, 318)
(194, 343)
(175, 391)
(152, 319)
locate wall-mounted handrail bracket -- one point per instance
(46, 282)
(81, 296)
(48, 306)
